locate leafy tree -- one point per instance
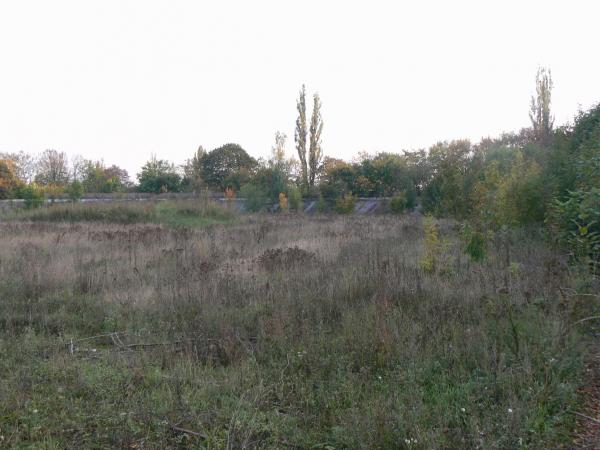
(9, 181)
(419, 170)
(447, 193)
(278, 150)
(541, 117)
(338, 178)
(521, 195)
(315, 153)
(227, 166)
(300, 137)
(78, 164)
(159, 175)
(271, 181)
(388, 174)
(24, 165)
(193, 179)
(96, 177)
(52, 168)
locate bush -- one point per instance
(32, 194)
(575, 224)
(75, 191)
(294, 199)
(476, 246)
(283, 202)
(321, 205)
(256, 199)
(432, 243)
(345, 204)
(398, 203)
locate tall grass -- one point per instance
(347, 342)
(178, 213)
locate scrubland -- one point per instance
(284, 331)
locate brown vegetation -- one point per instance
(147, 336)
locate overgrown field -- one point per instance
(181, 213)
(323, 332)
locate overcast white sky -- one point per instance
(121, 79)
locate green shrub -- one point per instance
(398, 203)
(255, 198)
(575, 224)
(32, 194)
(321, 205)
(75, 191)
(294, 199)
(345, 204)
(476, 246)
(433, 245)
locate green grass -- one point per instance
(186, 213)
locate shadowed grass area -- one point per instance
(185, 213)
(284, 332)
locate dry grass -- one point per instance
(354, 346)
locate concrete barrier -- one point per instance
(363, 205)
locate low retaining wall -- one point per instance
(363, 205)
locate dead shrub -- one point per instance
(278, 258)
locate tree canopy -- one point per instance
(227, 166)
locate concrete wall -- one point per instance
(363, 205)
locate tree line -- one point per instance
(539, 174)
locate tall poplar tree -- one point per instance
(315, 153)
(300, 136)
(540, 115)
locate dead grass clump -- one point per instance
(280, 259)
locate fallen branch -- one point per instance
(586, 417)
(99, 336)
(186, 431)
(586, 319)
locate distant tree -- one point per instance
(315, 153)
(24, 165)
(96, 177)
(447, 192)
(227, 166)
(278, 150)
(540, 114)
(159, 175)
(192, 171)
(77, 167)
(300, 137)
(338, 178)
(9, 181)
(419, 169)
(52, 168)
(119, 176)
(271, 180)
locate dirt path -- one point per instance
(587, 431)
